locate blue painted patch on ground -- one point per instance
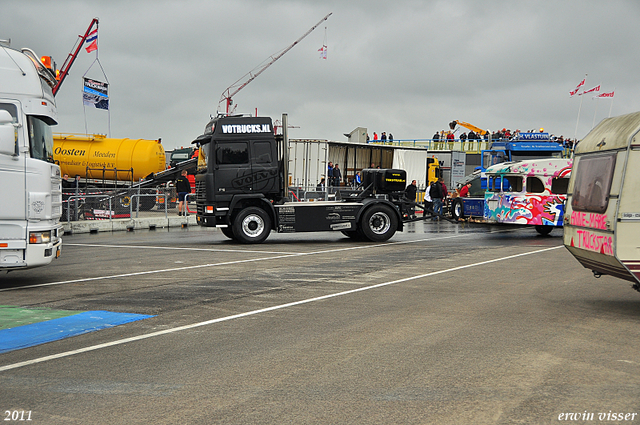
(64, 327)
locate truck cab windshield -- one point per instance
(40, 139)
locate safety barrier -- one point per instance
(100, 204)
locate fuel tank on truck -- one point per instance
(99, 157)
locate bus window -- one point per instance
(534, 185)
(560, 186)
(593, 182)
(515, 183)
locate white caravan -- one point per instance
(602, 216)
(30, 184)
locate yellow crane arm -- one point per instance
(471, 127)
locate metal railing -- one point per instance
(96, 204)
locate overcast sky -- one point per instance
(407, 67)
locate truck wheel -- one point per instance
(379, 223)
(544, 230)
(457, 209)
(252, 225)
(228, 232)
(146, 203)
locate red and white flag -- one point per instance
(573, 93)
(323, 52)
(92, 41)
(596, 88)
(610, 94)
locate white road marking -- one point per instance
(241, 251)
(260, 311)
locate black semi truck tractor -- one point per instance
(241, 188)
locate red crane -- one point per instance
(234, 88)
(64, 71)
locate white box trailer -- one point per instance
(602, 215)
(309, 159)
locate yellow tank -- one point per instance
(88, 155)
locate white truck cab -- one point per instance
(602, 218)
(30, 189)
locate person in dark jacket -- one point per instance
(410, 193)
(337, 175)
(182, 187)
(437, 193)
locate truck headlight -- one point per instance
(40, 237)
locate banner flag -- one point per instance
(96, 93)
(323, 52)
(573, 93)
(596, 88)
(92, 41)
(610, 94)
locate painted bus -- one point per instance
(530, 193)
(602, 224)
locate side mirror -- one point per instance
(8, 134)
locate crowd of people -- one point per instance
(445, 138)
(383, 138)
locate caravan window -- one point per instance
(593, 182)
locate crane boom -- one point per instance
(478, 130)
(233, 89)
(64, 71)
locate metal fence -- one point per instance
(100, 204)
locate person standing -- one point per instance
(383, 138)
(450, 139)
(330, 174)
(436, 193)
(337, 175)
(436, 140)
(182, 187)
(410, 193)
(358, 179)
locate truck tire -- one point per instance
(544, 230)
(457, 209)
(378, 223)
(228, 232)
(251, 225)
(146, 203)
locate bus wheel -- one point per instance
(544, 230)
(251, 225)
(457, 209)
(228, 232)
(379, 223)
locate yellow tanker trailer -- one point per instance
(109, 164)
(102, 158)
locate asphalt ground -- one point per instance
(443, 324)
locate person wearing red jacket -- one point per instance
(464, 192)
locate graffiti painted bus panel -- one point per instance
(530, 193)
